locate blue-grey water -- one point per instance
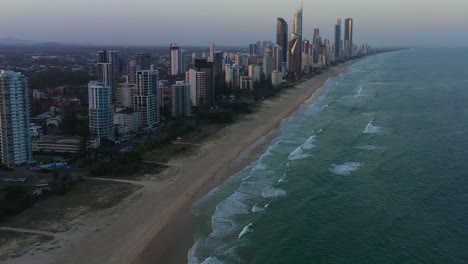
(373, 171)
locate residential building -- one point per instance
(147, 98)
(338, 38)
(181, 102)
(100, 110)
(232, 76)
(348, 36)
(268, 62)
(127, 120)
(15, 138)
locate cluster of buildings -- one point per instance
(128, 98)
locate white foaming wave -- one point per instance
(283, 179)
(369, 147)
(298, 154)
(371, 128)
(257, 209)
(246, 229)
(309, 144)
(346, 168)
(234, 205)
(252, 188)
(271, 192)
(325, 106)
(191, 255)
(212, 260)
(359, 93)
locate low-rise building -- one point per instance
(127, 120)
(61, 144)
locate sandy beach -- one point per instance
(141, 231)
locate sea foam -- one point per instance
(246, 229)
(346, 168)
(371, 128)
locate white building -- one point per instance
(181, 103)
(276, 78)
(148, 97)
(197, 81)
(246, 83)
(35, 130)
(15, 139)
(255, 72)
(232, 76)
(178, 60)
(268, 62)
(101, 121)
(127, 120)
(125, 94)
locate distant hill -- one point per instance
(15, 41)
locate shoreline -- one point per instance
(171, 234)
(146, 229)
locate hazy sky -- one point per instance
(160, 22)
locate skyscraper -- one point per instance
(295, 54)
(316, 34)
(349, 36)
(108, 69)
(298, 22)
(15, 140)
(143, 62)
(197, 79)
(253, 48)
(232, 76)
(295, 44)
(268, 63)
(338, 38)
(212, 51)
(282, 38)
(278, 58)
(181, 105)
(101, 116)
(207, 93)
(175, 59)
(148, 97)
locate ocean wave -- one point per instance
(371, 128)
(212, 260)
(271, 192)
(257, 209)
(346, 168)
(369, 147)
(245, 230)
(309, 144)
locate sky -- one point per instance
(226, 22)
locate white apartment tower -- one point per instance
(197, 81)
(15, 139)
(101, 115)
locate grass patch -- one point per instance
(15, 244)
(59, 213)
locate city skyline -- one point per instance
(376, 22)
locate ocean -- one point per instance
(375, 170)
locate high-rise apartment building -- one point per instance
(175, 59)
(197, 82)
(108, 69)
(147, 97)
(338, 38)
(181, 103)
(282, 38)
(205, 95)
(348, 37)
(232, 76)
(143, 62)
(101, 116)
(15, 139)
(268, 63)
(278, 58)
